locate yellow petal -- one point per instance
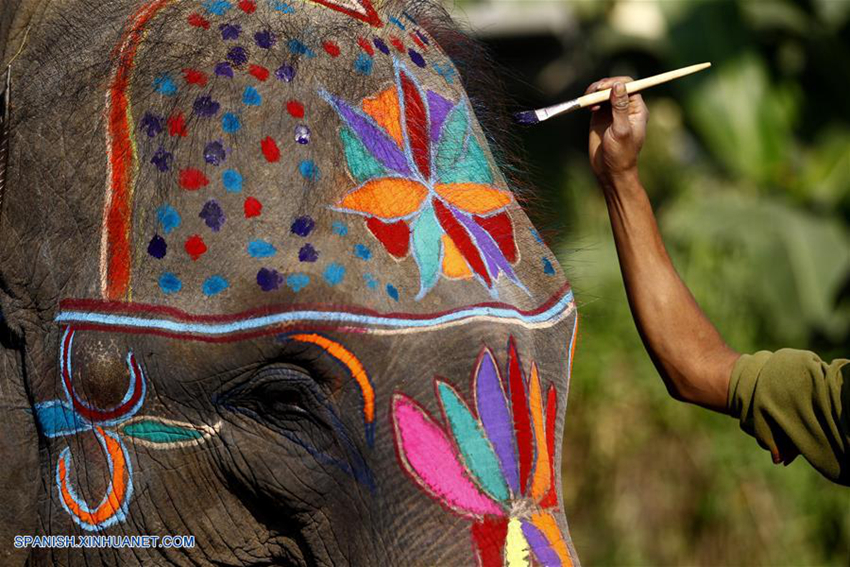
(474, 198)
(454, 265)
(516, 546)
(384, 108)
(386, 198)
(541, 480)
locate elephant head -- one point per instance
(264, 284)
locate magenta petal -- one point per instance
(430, 458)
(492, 406)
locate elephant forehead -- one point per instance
(272, 153)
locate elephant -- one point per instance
(268, 293)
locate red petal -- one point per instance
(416, 121)
(489, 537)
(551, 497)
(462, 240)
(501, 229)
(394, 236)
(522, 419)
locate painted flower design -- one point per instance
(425, 185)
(494, 464)
(72, 416)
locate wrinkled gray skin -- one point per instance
(249, 495)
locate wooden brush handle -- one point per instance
(639, 85)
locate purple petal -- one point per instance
(493, 257)
(376, 141)
(438, 109)
(540, 545)
(493, 410)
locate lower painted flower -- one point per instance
(494, 465)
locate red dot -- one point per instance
(367, 47)
(253, 207)
(295, 109)
(331, 48)
(195, 247)
(397, 44)
(177, 125)
(193, 179)
(270, 149)
(198, 21)
(195, 77)
(248, 6)
(258, 71)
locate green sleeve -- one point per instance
(794, 403)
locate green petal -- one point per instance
(427, 248)
(159, 432)
(362, 165)
(472, 167)
(452, 140)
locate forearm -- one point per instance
(686, 348)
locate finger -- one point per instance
(591, 88)
(620, 126)
(637, 105)
(609, 82)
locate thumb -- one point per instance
(621, 128)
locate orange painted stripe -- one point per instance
(113, 501)
(544, 522)
(353, 365)
(540, 480)
(116, 253)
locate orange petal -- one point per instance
(384, 108)
(386, 197)
(474, 198)
(547, 524)
(540, 480)
(454, 265)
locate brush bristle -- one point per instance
(526, 117)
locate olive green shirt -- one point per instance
(794, 403)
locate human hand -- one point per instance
(617, 132)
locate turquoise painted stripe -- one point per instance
(478, 454)
(338, 317)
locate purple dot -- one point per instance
(213, 215)
(269, 280)
(162, 159)
(151, 124)
(230, 31)
(224, 69)
(308, 253)
(157, 247)
(237, 55)
(265, 39)
(302, 226)
(206, 106)
(379, 43)
(416, 57)
(302, 134)
(214, 153)
(285, 73)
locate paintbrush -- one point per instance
(535, 116)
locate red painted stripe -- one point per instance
(234, 338)
(117, 215)
(367, 47)
(489, 536)
(371, 16)
(501, 228)
(119, 307)
(551, 497)
(462, 239)
(522, 418)
(416, 123)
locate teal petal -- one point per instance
(159, 432)
(427, 247)
(477, 453)
(452, 141)
(361, 164)
(472, 167)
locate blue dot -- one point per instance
(297, 282)
(362, 251)
(215, 285)
(157, 247)
(261, 249)
(230, 123)
(363, 64)
(164, 85)
(392, 291)
(334, 273)
(536, 235)
(309, 170)
(339, 228)
(251, 97)
(168, 218)
(232, 180)
(298, 48)
(548, 268)
(217, 7)
(170, 283)
(282, 7)
(370, 280)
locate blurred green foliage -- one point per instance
(748, 167)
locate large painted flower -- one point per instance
(425, 185)
(493, 465)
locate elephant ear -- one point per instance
(19, 462)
